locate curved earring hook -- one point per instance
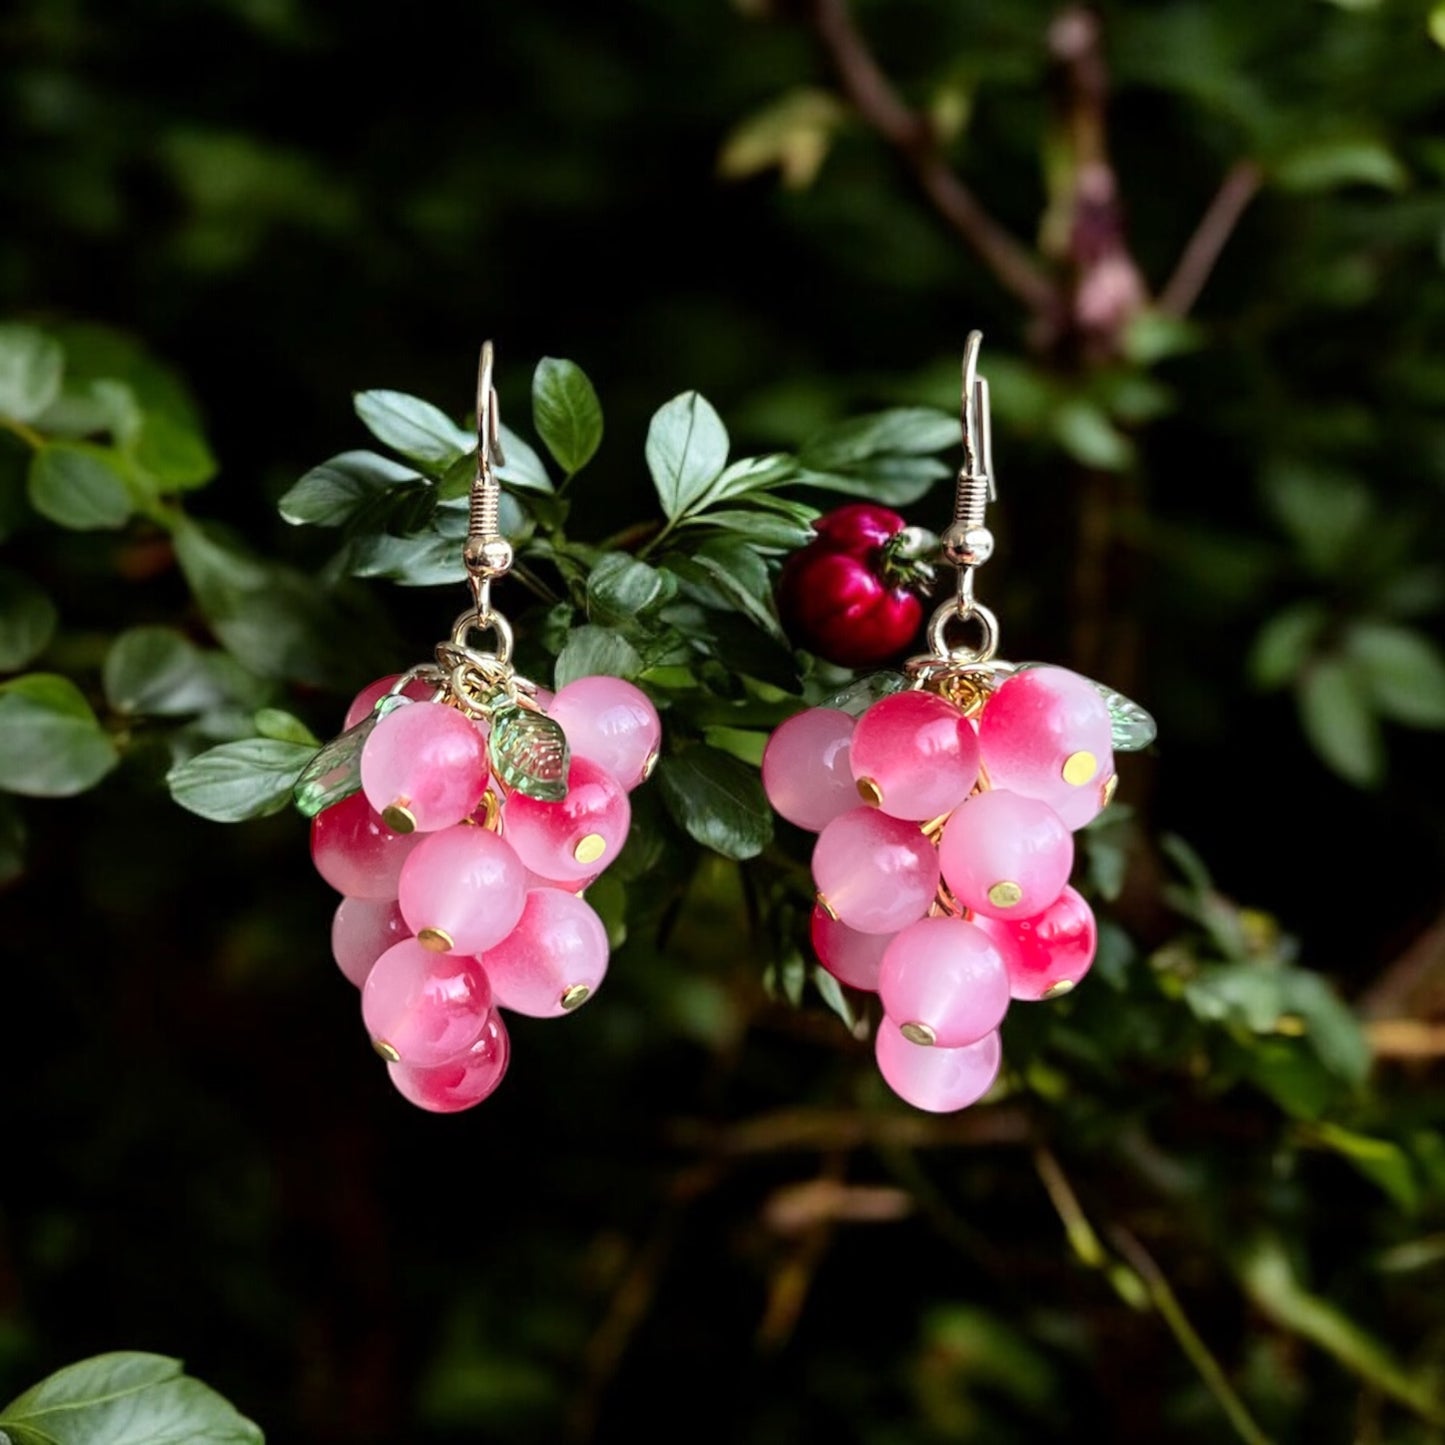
(489, 423)
(976, 418)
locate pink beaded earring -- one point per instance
(461, 814)
(946, 892)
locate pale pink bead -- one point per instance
(364, 703)
(611, 723)
(1046, 734)
(576, 838)
(462, 890)
(462, 1082)
(423, 1008)
(553, 961)
(361, 931)
(878, 874)
(567, 885)
(914, 755)
(944, 977)
(805, 768)
(1006, 856)
(1048, 954)
(938, 1080)
(355, 852)
(851, 957)
(427, 763)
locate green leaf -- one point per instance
(1152, 336)
(1285, 644)
(1381, 1161)
(274, 722)
(79, 486)
(620, 590)
(910, 431)
(329, 495)
(1325, 163)
(27, 620)
(31, 367)
(1324, 512)
(717, 800)
(757, 527)
(236, 781)
(172, 453)
(566, 413)
(593, 651)
(1335, 712)
(51, 744)
(1403, 672)
(125, 1399)
(893, 481)
(687, 449)
(426, 561)
(157, 671)
(413, 427)
(832, 994)
(732, 575)
(1084, 431)
(751, 475)
(792, 133)
(524, 471)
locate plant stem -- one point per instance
(27, 434)
(1215, 227)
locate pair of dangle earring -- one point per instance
(945, 800)
(461, 815)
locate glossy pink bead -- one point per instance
(567, 885)
(355, 852)
(611, 723)
(805, 768)
(463, 888)
(916, 753)
(1048, 954)
(553, 961)
(1046, 734)
(851, 957)
(938, 1080)
(424, 1007)
(364, 703)
(361, 931)
(1006, 856)
(946, 976)
(576, 838)
(879, 874)
(464, 1081)
(429, 759)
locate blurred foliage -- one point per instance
(1196, 1203)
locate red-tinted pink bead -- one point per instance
(364, 703)
(427, 760)
(915, 755)
(938, 1080)
(878, 874)
(464, 1081)
(945, 978)
(1006, 856)
(567, 885)
(611, 723)
(355, 852)
(361, 931)
(553, 961)
(462, 890)
(851, 957)
(576, 838)
(805, 768)
(1048, 954)
(423, 1008)
(1046, 734)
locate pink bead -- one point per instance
(805, 768)
(1048, 954)
(362, 930)
(1046, 734)
(553, 961)
(1005, 856)
(464, 1081)
(851, 957)
(364, 703)
(567, 885)
(423, 1008)
(939, 1080)
(462, 890)
(355, 852)
(879, 874)
(611, 723)
(915, 754)
(576, 838)
(945, 977)
(427, 759)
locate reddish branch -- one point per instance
(1215, 227)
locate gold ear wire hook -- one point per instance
(486, 553)
(489, 444)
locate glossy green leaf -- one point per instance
(284, 727)
(413, 427)
(523, 470)
(900, 431)
(51, 744)
(240, 780)
(124, 1399)
(172, 454)
(1084, 430)
(727, 572)
(1285, 644)
(331, 494)
(621, 590)
(1324, 163)
(757, 527)
(566, 413)
(892, 481)
(79, 486)
(156, 670)
(27, 620)
(1403, 672)
(687, 449)
(31, 367)
(592, 651)
(1339, 720)
(718, 800)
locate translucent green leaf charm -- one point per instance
(858, 697)
(335, 772)
(1131, 727)
(529, 752)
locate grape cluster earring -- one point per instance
(461, 814)
(945, 800)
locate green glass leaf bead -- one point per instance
(335, 772)
(858, 697)
(1131, 728)
(529, 752)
